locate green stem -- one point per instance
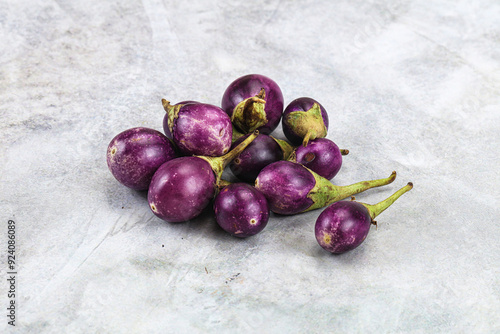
(236, 134)
(310, 135)
(223, 183)
(325, 193)
(219, 163)
(378, 208)
(172, 111)
(344, 151)
(287, 148)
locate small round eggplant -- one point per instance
(199, 128)
(292, 188)
(241, 210)
(166, 129)
(321, 155)
(253, 102)
(344, 225)
(134, 155)
(183, 187)
(304, 119)
(263, 151)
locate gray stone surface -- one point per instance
(411, 86)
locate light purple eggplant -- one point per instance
(304, 119)
(321, 155)
(199, 128)
(344, 225)
(134, 155)
(253, 102)
(183, 187)
(166, 129)
(291, 188)
(241, 210)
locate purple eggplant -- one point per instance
(183, 187)
(241, 210)
(321, 155)
(166, 129)
(134, 155)
(292, 188)
(260, 153)
(344, 225)
(199, 128)
(253, 102)
(304, 119)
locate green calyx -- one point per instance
(236, 134)
(308, 124)
(172, 112)
(287, 149)
(249, 114)
(219, 163)
(219, 185)
(376, 209)
(223, 183)
(325, 193)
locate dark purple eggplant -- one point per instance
(241, 210)
(260, 153)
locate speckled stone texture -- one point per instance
(411, 86)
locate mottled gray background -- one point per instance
(411, 86)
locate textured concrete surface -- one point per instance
(411, 86)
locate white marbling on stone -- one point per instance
(411, 86)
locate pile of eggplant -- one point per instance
(182, 168)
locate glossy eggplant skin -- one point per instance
(263, 151)
(286, 186)
(166, 129)
(321, 155)
(134, 155)
(342, 226)
(291, 188)
(181, 189)
(241, 210)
